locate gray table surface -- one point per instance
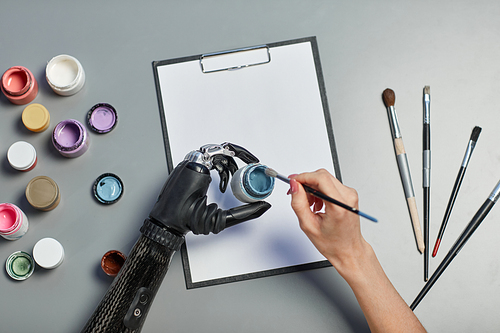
(365, 47)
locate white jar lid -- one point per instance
(48, 253)
(21, 155)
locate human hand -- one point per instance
(336, 231)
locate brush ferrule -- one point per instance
(404, 171)
(393, 119)
(426, 168)
(468, 153)
(427, 109)
(495, 194)
(283, 178)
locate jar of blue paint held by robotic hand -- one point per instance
(251, 184)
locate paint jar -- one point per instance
(22, 156)
(48, 253)
(43, 193)
(36, 118)
(108, 188)
(102, 118)
(112, 261)
(70, 138)
(13, 222)
(19, 85)
(251, 184)
(20, 265)
(65, 75)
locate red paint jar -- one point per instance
(19, 85)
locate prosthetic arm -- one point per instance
(181, 207)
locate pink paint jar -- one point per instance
(19, 85)
(13, 222)
(70, 138)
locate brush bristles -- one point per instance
(389, 97)
(475, 133)
(271, 172)
(427, 90)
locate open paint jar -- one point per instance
(102, 118)
(36, 118)
(251, 184)
(65, 75)
(13, 222)
(22, 156)
(20, 265)
(19, 85)
(43, 193)
(70, 138)
(108, 188)
(48, 253)
(112, 261)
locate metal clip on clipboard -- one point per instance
(235, 59)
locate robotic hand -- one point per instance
(181, 207)
(182, 204)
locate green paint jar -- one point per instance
(20, 265)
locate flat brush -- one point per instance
(426, 174)
(404, 169)
(461, 173)
(459, 244)
(272, 173)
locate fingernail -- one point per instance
(293, 175)
(294, 187)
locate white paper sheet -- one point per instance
(274, 110)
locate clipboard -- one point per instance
(270, 99)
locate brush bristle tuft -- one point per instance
(475, 133)
(389, 97)
(271, 172)
(427, 90)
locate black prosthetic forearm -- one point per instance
(126, 303)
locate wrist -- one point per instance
(358, 265)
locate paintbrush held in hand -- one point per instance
(272, 173)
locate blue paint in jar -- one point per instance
(108, 188)
(251, 184)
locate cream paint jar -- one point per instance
(65, 75)
(48, 253)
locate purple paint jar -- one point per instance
(70, 138)
(102, 118)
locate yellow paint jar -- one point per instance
(36, 118)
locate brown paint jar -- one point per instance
(43, 193)
(112, 261)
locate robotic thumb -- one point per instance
(246, 212)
